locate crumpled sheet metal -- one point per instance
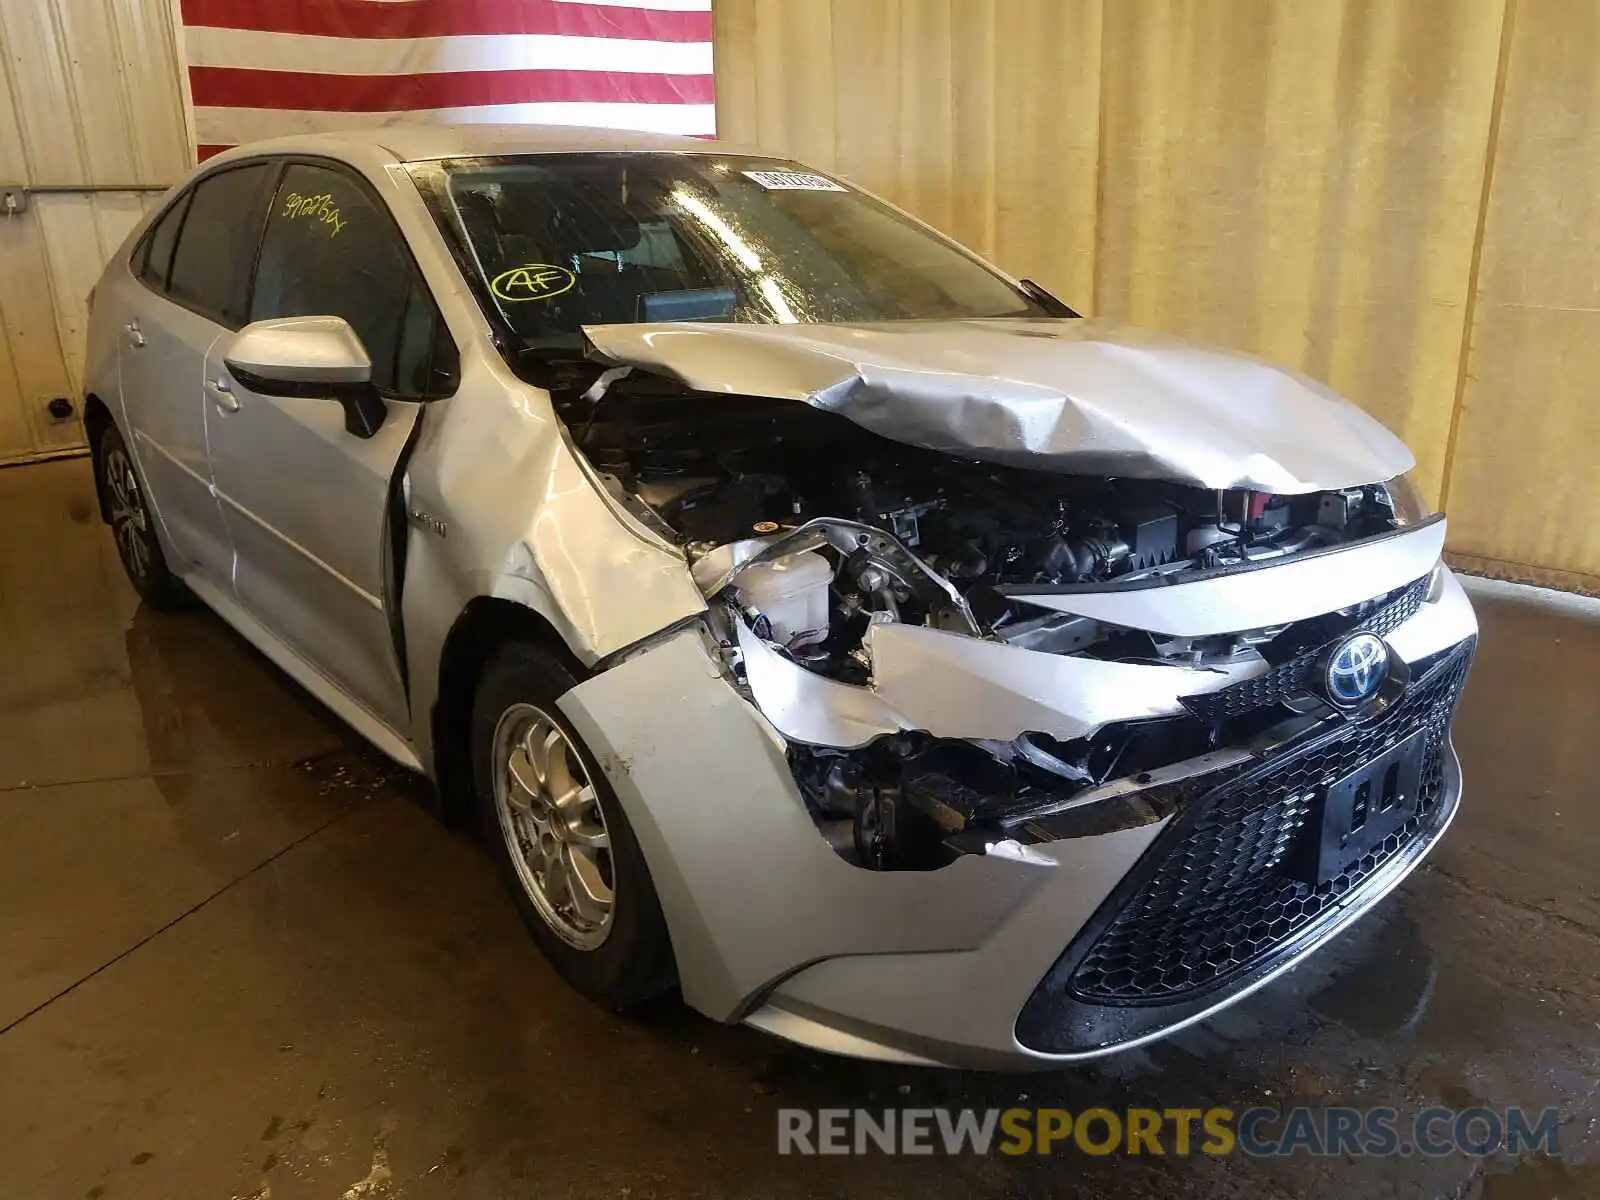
(951, 685)
(955, 686)
(1072, 396)
(545, 535)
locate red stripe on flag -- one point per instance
(238, 87)
(448, 18)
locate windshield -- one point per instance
(595, 239)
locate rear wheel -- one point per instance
(561, 837)
(133, 525)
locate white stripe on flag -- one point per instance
(206, 46)
(230, 126)
(663, 5)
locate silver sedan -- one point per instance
(816, 618)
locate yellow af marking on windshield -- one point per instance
(532, 281)
(322, 208)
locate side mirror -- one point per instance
(314, 357)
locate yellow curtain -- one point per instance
(1398, 198)
(1524, 492)
(980, 116)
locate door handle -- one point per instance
(135, 337)
(222, 395)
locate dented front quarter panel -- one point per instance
(1076, 396)
(525, 521)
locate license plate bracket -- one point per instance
(1351, 816)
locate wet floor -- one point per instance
(241, 958)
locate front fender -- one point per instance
(750, 889)
(508, 510)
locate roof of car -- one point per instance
(411, 143)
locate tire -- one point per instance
(628, 959)
(133, 525)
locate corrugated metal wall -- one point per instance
(1399, 197)
(90, 96)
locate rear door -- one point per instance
(194, 268)
(307, 503)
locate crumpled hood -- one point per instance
(1074, 396)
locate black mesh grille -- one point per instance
(1380, 616)
(1398, 611)
(1217, 901)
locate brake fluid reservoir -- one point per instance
(792, 593)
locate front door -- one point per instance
(307, 503)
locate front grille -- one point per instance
(1294, 675)
(1219, 901)
(1214, 899)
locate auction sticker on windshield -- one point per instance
(793, 181)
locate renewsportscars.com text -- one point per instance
(1257, 1132)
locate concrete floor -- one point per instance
(239, 957)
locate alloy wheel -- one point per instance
(554, 827)
(130, 521)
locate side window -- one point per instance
(155, 252)
(211, 268)
(330, 250)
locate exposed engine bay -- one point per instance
(733, 476)
(810, 529)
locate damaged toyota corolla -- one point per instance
(818, 618)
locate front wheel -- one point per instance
(560, 836)
(133, 525)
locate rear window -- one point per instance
(211, 267)
(155, 253)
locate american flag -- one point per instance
(264, 68)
